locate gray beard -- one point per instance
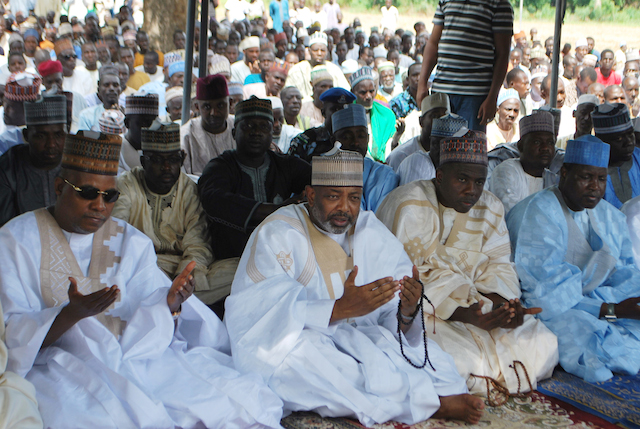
(326, 225)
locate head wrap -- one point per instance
(386, 65)
(587, 150)
(250, 42)
(141, 104)
(49, 67)
(448, 125)
(338, 95)
(211, 87)
(173, 92)
(276, 103)
(219, 64)
(588, 99)
(161, 137)
(92, 152)
(49, 109)
(349, 66)
(337, 168)
(62, 45)
(235, 88)
(538, 52)
(254, 107)
(507, 95)
(320, 73)
(365, 73)
(539, 122)
(353, 115)
(582, 42)
(112, 122)
(280, 36)
(318, 37)
(435, 101)
(64, 29)
(611, 119)
(470, 148)
(22, 86)
(177, 67)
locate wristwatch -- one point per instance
(610, 315)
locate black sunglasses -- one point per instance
(91, 193)
(68, 57)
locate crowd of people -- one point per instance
(380, 224)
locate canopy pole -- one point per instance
(204, 40)
(521, 6)
(188, 61)
(560, 9)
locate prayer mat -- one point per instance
(535, 411)
(616, 400)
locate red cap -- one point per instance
(211, 87)
(280, 36)
(49, 67)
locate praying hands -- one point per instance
(181, 288)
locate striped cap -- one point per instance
(337, 168)
(172, 57)
(539, 122)
(92, 152)
(22, 86)
(137, 104)
(235, 88)
(49, 109)
(112, 122)
(320, 73)
(353, 115)
(253, 107)
(448, 125)
(173, 92)
(219, 64)
(386, 65)
(358, 76)
(587, 150)
(470, 148)
(611, 119)
(318, 37)
(161, 137)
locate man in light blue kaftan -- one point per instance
(573, 254)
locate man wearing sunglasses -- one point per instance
(99, 329)
(27, 171)
(161, 201)
(74, 79)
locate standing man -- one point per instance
(279, 13)
(606, 75)
(140, 112)
(333, 14)
(471, 78)
(405, 103)
(74, 79)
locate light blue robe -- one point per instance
(589, 347)
(634, 177)
(378, 180)
(12, 136)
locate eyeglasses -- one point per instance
(69, 57)
(91, 193)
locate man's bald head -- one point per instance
(614, 94)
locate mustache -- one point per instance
(341, 214)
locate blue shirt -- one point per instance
(403, 104)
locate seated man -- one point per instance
(140, 113)
(283, 133)
(517, 178)
(455, 233)
(316, 141)
(18, 405)
(162, 202)
(632, 210)
(99, 329)
(241, 187)
(573, 255)
(27, 171)
(333, 347)
(311, 107)
(210, 134)
(350, 129)
(108, 93)
(433, 106)
(20, 87)
(613, 126)
(422, 165)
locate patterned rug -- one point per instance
(616, 400)
(536, 411)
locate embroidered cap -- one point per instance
(249, 42)
(318, 37)
(219, 64)
(448, 125)
(555, 112)
(538, 122)
(337, 168)
(112, 122)
(587, 150)
(538, 52)
(320, 73)
(172, 57)
(508, 94)
(22, 86)
(161, 137)
(62, 45)
(235, 88)
(173, 92)
(364, 73)
(177, 67)
(92, 152)
(435, 101)
(387, 65)
(353, 115)
(211, 87)
(338, 95)
(253, 107)
(49, 109)
(611, 119)
(470, 148)
(141, 104)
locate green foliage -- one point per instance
(404, 6)
(619, 11)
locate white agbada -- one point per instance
(130, 366)
(632, 209)
(417, 166)
(278, 317)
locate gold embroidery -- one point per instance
(285, 260)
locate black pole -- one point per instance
(188, 61)
(204, 40)
(560, 9)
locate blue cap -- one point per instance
(338, 95)
(176, 67)
(31, 32)
(364, 73)
(353, 115)
(91, 15)
(587, 150)
(448, 125)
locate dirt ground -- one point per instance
(606, 35)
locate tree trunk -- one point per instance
(161, 19)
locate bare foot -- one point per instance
(460, 407)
